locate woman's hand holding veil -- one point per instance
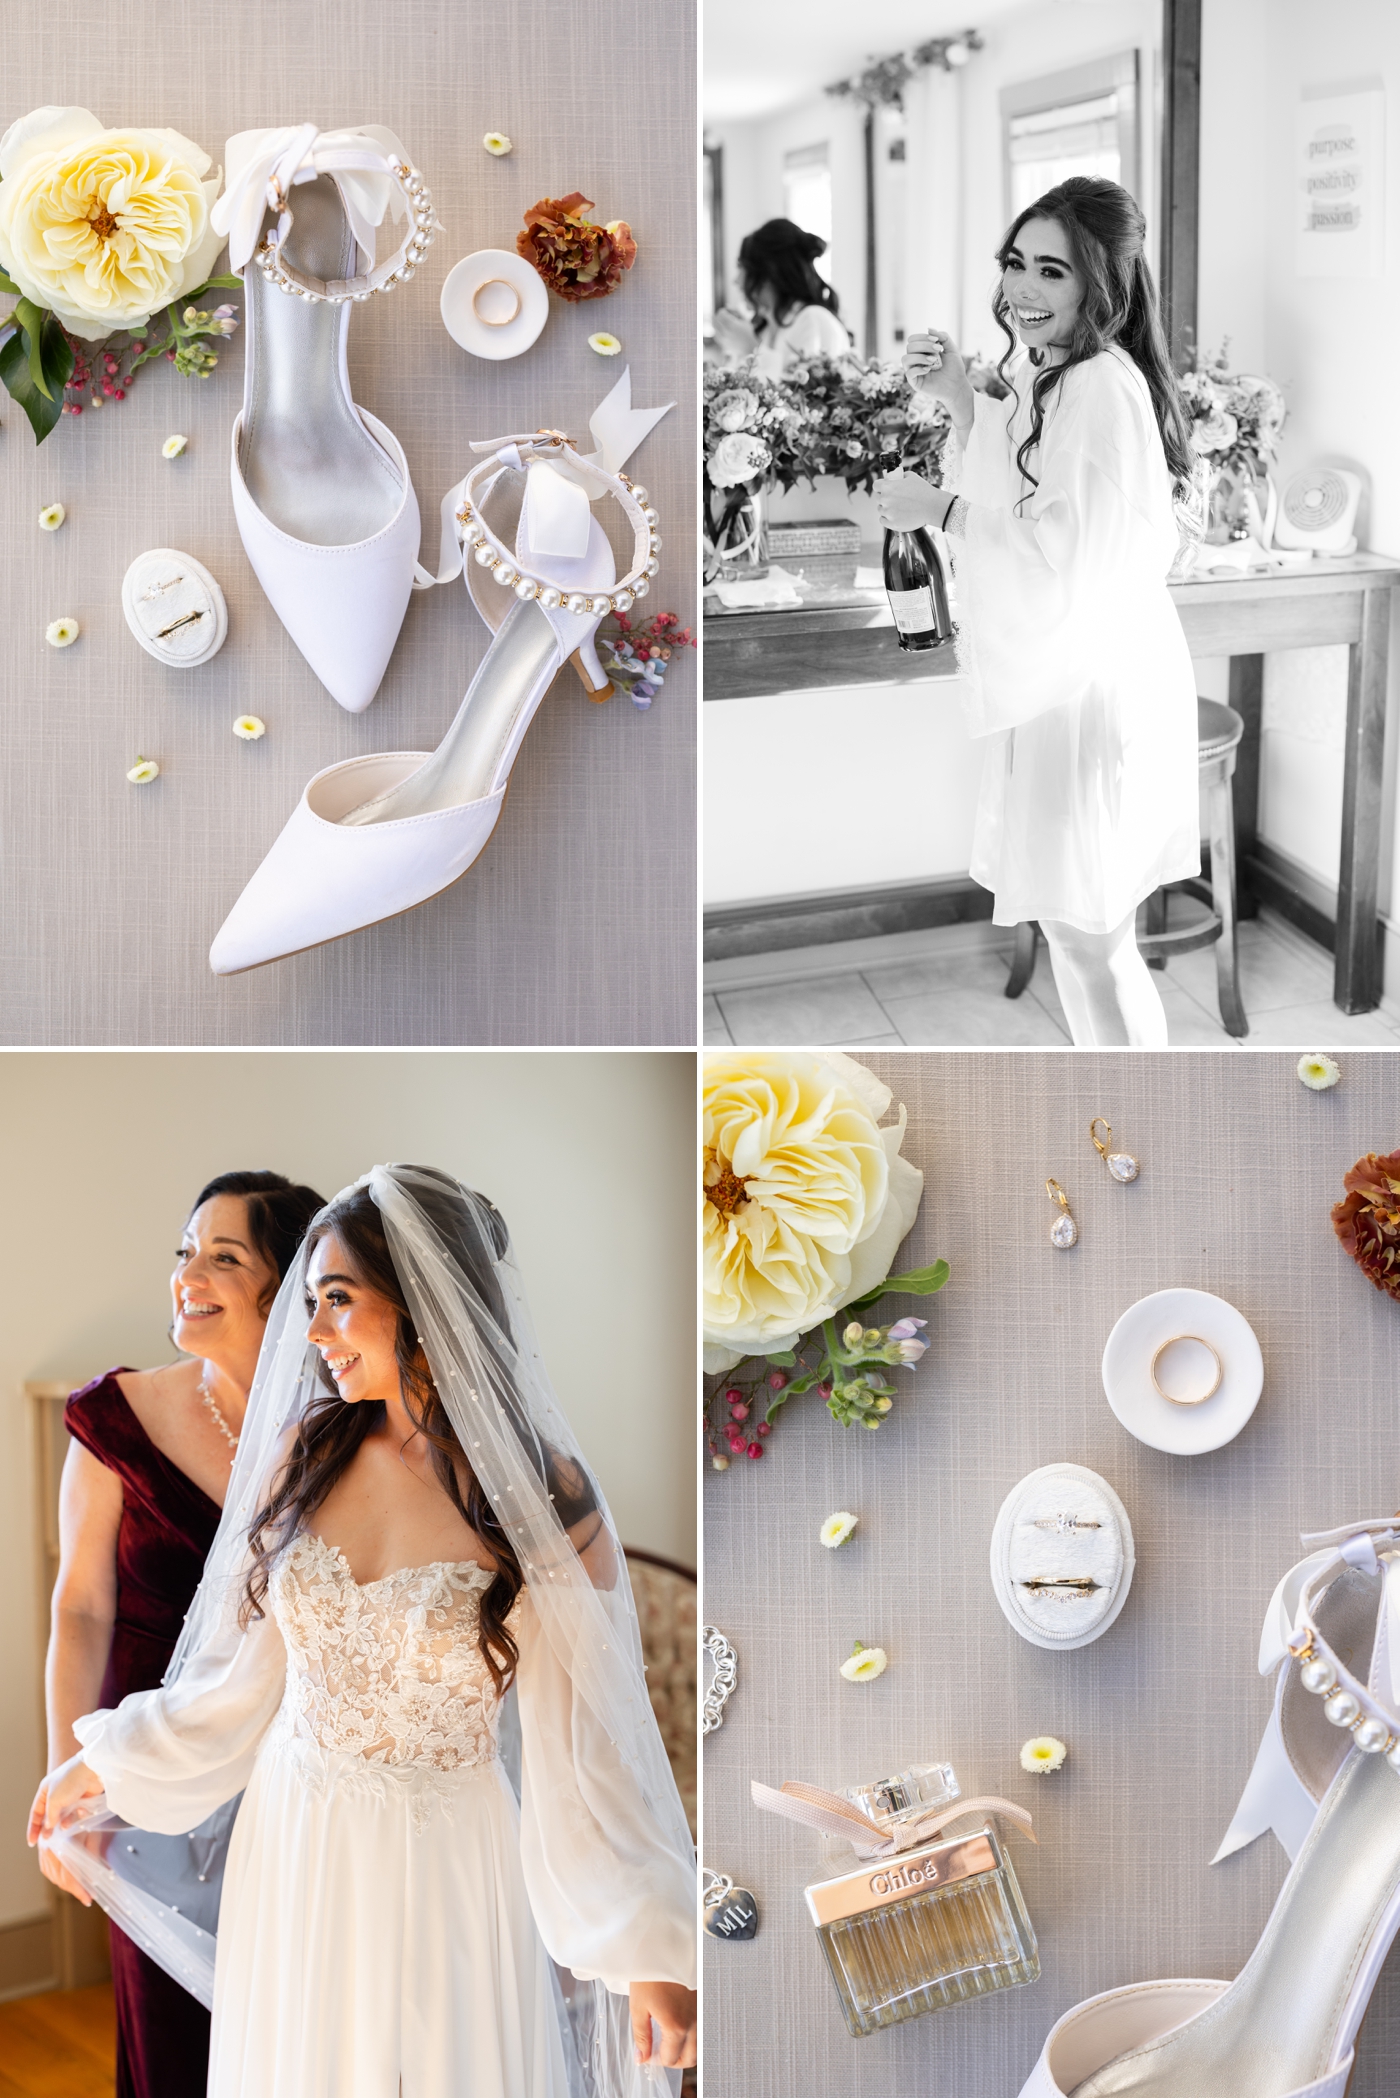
(674, 2010)
(63, 1789)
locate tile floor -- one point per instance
(945, 989)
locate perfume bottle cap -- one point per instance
(921, 1789)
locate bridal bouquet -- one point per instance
(806, 1200)
(101, 232)
(748, 423)
(1235, 421)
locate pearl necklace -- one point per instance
(224, 1429)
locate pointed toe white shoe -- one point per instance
(321, 489)
(1286, 2026)
(374, 836)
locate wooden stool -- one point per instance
(1218, 731)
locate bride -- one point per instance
(410, 1532)
(1064, 518)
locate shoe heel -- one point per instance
(590, 671)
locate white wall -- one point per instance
(1320, 340)
(588, 1156)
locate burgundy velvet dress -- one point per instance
(167, 1527)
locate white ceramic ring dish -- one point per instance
(174, 608)
(1062, 1556)
(1185, 1430)
(494, 303)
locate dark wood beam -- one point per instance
(1181, 173)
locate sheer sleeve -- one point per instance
(1051, 586)
(167, 1758)
(612, 1897)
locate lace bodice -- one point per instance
(389, 1671)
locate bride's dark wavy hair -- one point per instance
(783, 255)
(331, 1430)
(1105, 231)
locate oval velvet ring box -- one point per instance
(174, 608)
(1062, 1556)
(494, 303)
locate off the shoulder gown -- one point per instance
(167, 1526)
(386, 1908)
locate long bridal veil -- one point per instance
(467, 1301)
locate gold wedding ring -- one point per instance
(1199, 1397)
(497, 320)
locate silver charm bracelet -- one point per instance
(721, 1684)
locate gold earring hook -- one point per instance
(1100, 1147)
(1057, 1193)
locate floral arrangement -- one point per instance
(577, 258)
(1367, 1220)
(749, 423)
(101, 230)
(636, 657)
(806, 1200)
(1235, 420)
(859, 421)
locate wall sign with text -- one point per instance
(1340, 174)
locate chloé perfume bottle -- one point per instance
(925, 1927)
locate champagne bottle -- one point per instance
(918, 590)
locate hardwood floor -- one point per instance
(59, 2045)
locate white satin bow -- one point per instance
(264, 166)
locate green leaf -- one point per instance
(784, 1361)
(42, 409)
(211, 284)
(47, 350)
(8, 284)
(919, 1282)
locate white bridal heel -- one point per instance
(321, 489)
(1328, 1775)
(374, 836)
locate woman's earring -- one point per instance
(1121, 1164)
(1064, 1231)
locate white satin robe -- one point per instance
(1078, 674)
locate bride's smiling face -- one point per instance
(352, 1325)
(1041, 285)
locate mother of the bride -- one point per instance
(143, 1483)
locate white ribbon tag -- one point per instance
(618, 428)
(555, 517)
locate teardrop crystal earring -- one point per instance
(1121, 1164)
(1064, 1231)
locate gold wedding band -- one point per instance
(1201, 1397)
(485, 318)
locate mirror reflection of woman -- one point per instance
(1063, 523)
(143, 1482)
(796, 313)
(412, 1531)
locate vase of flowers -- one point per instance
(1236, 419)
(748, 422)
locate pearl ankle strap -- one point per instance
(265, 179)
(1348, 1703)
(477, 538)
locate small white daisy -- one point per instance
(604, 345)
(51, 518)
(62, 633)
(173, 446)
(143, 772)
(1317, 1071)
(1043, 1754)
(865, 1663)
(837, 1528)
(497, 143)
(249, 727)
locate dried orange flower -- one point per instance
(576, 257)
(1368, 1221)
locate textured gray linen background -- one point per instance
(578, 924)
(1162, 1716)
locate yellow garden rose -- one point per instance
(103, 227)
(806, 1199)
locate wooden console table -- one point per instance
(849, 638)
